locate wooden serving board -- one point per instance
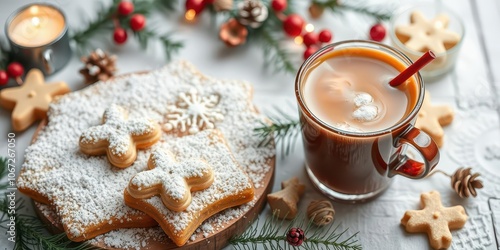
(216, 240)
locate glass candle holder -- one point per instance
(444, 61)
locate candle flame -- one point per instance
(35, 21)
(190, 15)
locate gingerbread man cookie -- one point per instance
(434, 219)
(173, 180)
(431, 119)
(284, 202)
(118, 138)
(422, 34)
(30, 101)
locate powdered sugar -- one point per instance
(170, 174)
(116, 130)
(229, 179)
(86, 191)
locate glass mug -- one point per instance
(357, 166)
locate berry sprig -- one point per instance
(14, 70)
(295, 26)
(123, 18)
(136, 22)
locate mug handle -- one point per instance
(47, 61)
(408, 167)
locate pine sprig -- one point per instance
(104, 23)
(283, 128)
(4, 56)
(145, 37)
(30, 232)
(272, 235)
(339, 6)
(3, 173)
(275, 55)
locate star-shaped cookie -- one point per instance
(423, 34)
(432, 118)
(30, 101)
(434, 219)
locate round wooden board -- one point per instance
(216, 240)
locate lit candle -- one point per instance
(36, 26)
(38, 35)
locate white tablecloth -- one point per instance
(473, 139)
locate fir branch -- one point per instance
(30, 232)
(105, 23)
(338, 6)
(284, 129)
(272, 236)
(145, 37)
(274, 54)
(3, 173)
(166, 5)
(4, 56)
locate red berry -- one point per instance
(120, 36)
(309, 51)
(377, 32)
(137, 22)
(125, 8)
(196, 5)
(15, 69)
(4, 78)
(325, 36)
(310, 38)
(293, 25)
(279, 5)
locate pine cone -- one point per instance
(252, 13)
(295, 236)
(99, 66)
(464, 183)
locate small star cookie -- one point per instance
(30, 101)
(422, 34)
(118, 138)
(434, 219)
(173, 180)
(431, 119)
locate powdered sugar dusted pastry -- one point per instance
(118, 138)
(86, 192)
(231, 187)
(173, 180)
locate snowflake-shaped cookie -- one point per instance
(193, 113)
(119, 138)
(173, 180)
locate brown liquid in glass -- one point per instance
(353, 164)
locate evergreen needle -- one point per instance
(283, 129)
(272, 235)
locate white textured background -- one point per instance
(472, 88)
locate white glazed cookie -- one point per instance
(230, 187)
(85, 191)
